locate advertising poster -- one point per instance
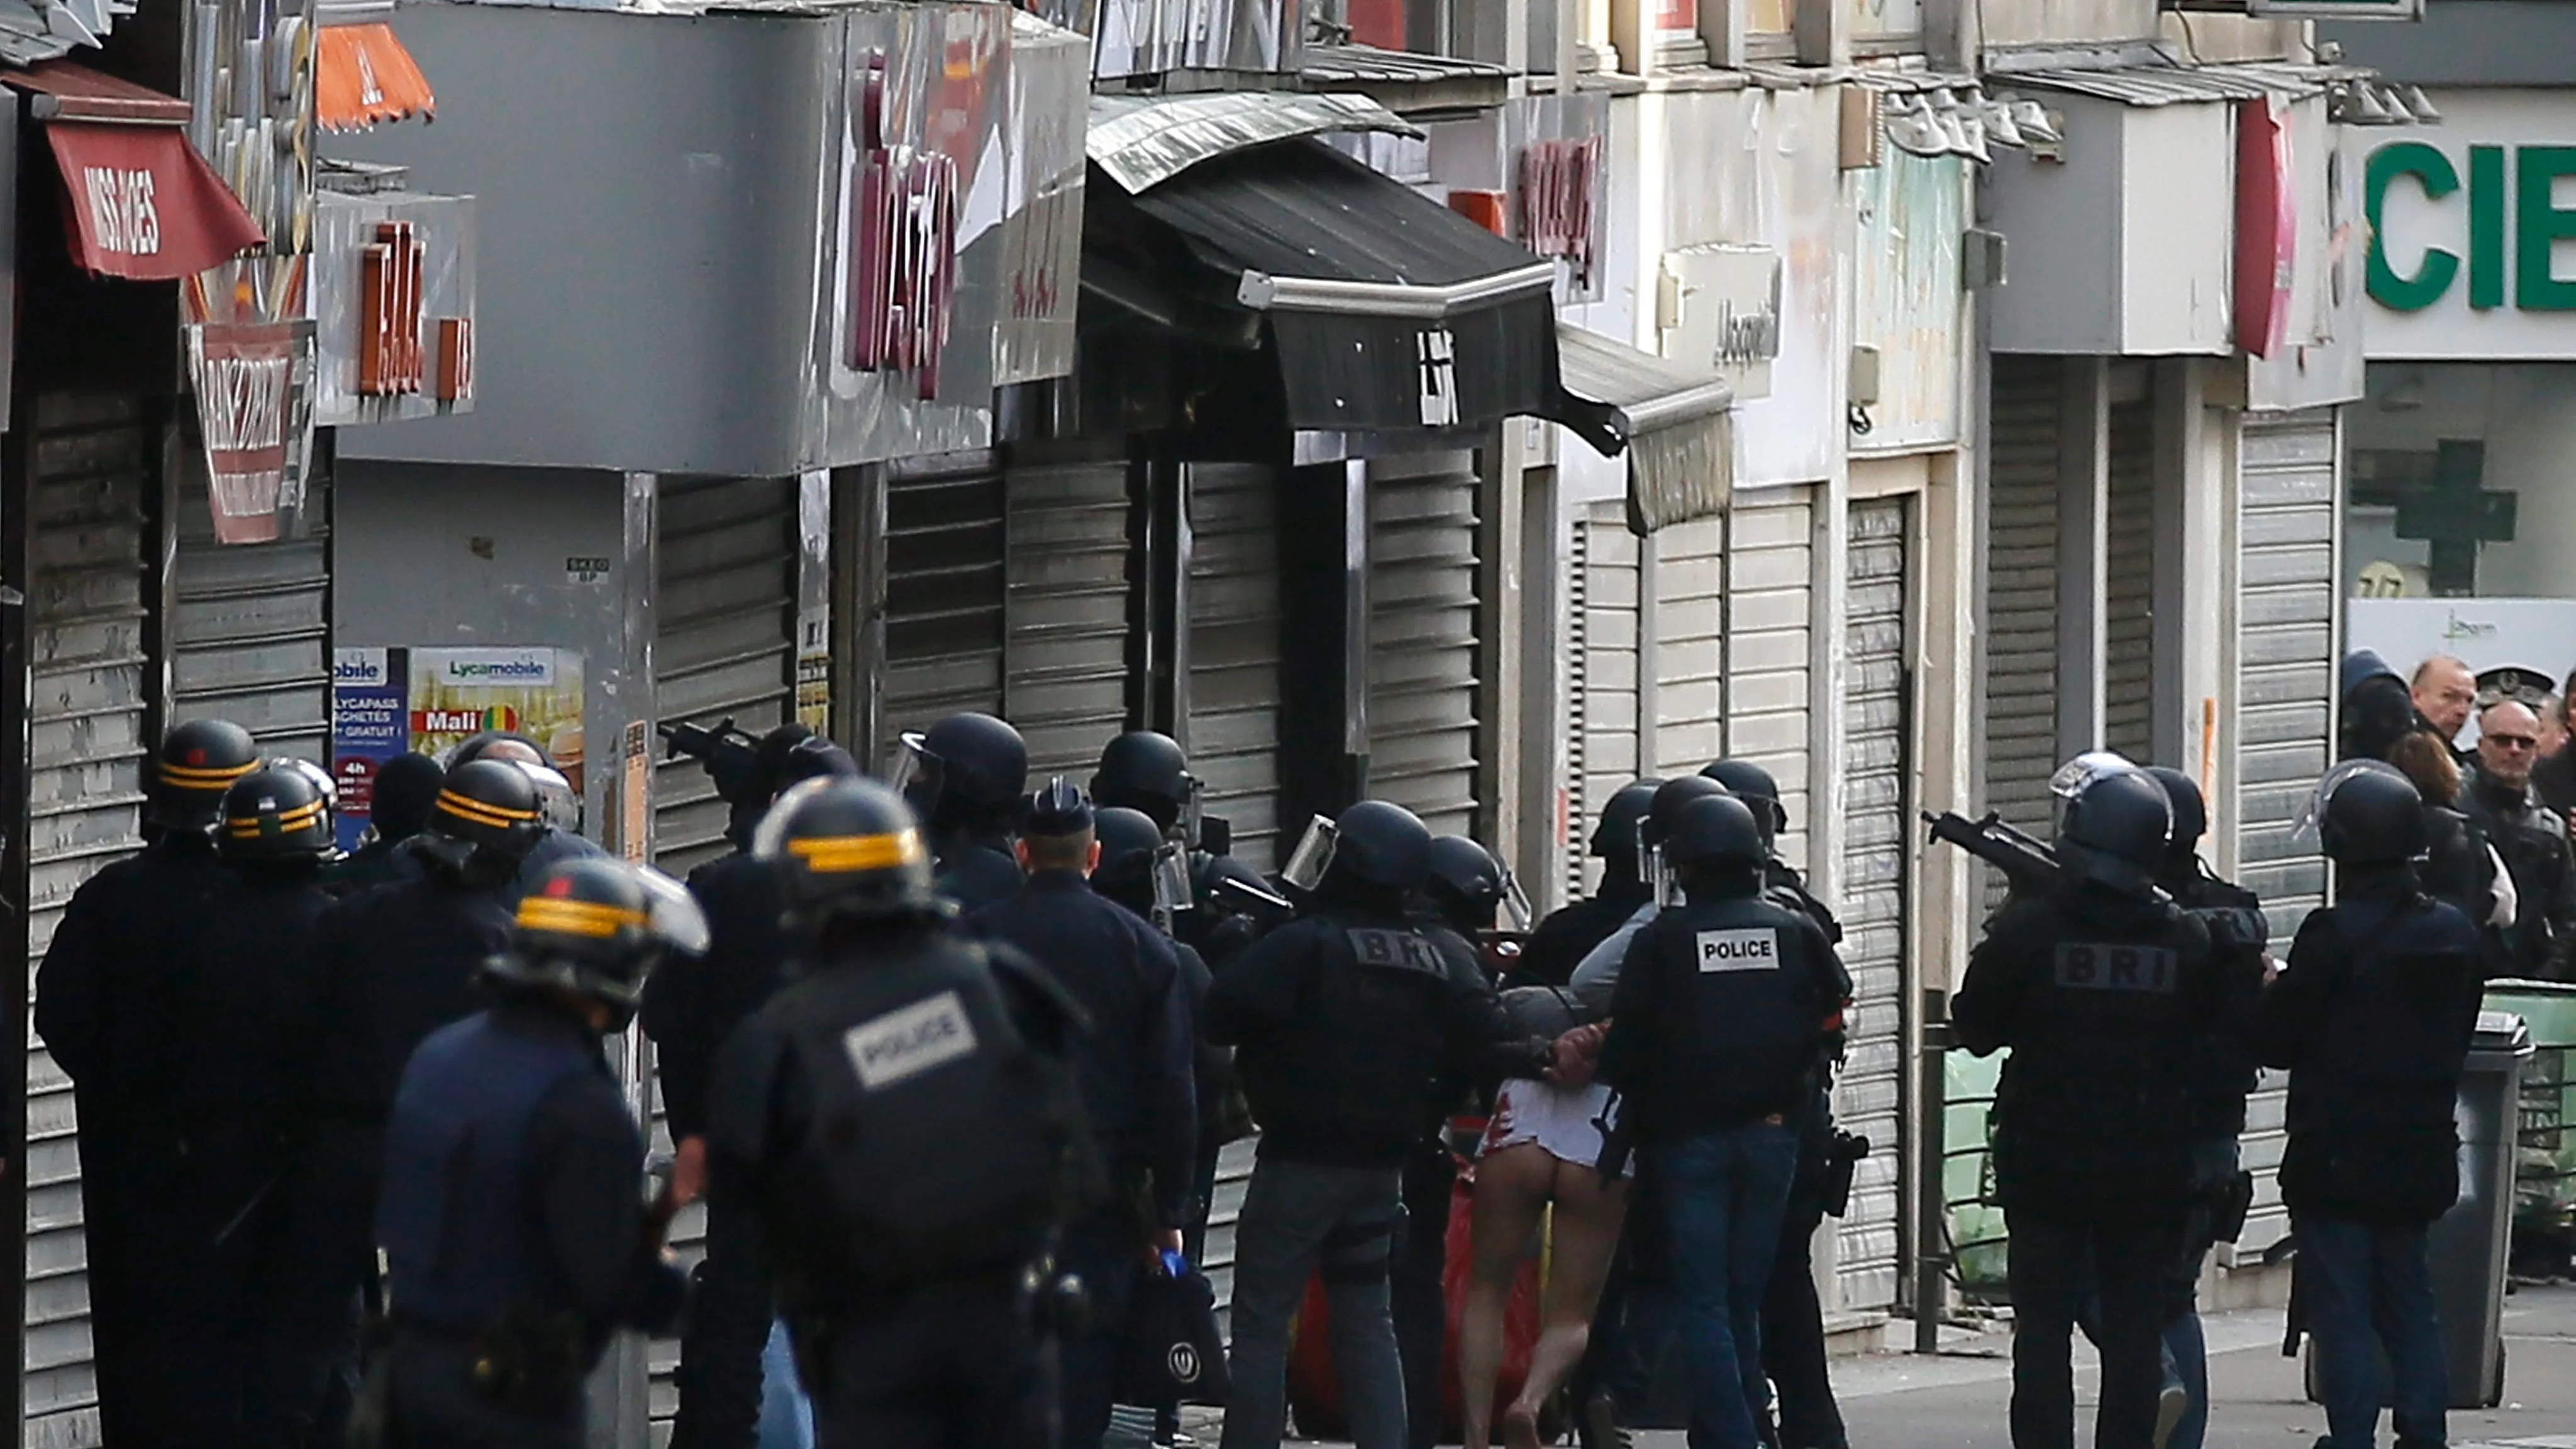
(370, 724)
(456, 694)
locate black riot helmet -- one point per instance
(276, 816)
(484, 822)
(1379, 847)
(1128, 840)
(967, 770)
(197, 763)
(594, 928)
(1615, 838)
(1145, 772)
(848, 850)
(1467, 885)
(1716, 831)
(1753, 785)
(1671, 798)
(2371, 817)
(2190, 812)
(2116, 830)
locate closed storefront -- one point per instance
(724, 637)
(2129, 663)
(2020, 707)
(250, 627)
(940, 649)
(1234, 615)
(93, 460)
(1070, 600)
(1770, 597)
(1602, 694)
(1687, 572)
(1424, 736)
(1877, 834)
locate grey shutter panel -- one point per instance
(1877, 838)
(86, 757)
(1068, 604)
(1423, 650)
(1234, 620)
(1769, 609)
(250, 637)
(1690, 646)
(2020, 706)
(2285, 685)
(725, 640)
(1605, 695)
(2129, 682)
(944, 591)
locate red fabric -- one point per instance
(2267, 227)
(1314, 1389)
(140, 203)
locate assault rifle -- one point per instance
(2027, 862)
(729, 753)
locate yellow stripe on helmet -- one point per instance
(593, 919)
(204, 777)
(836, 854)
(296, 819)
(480, 812)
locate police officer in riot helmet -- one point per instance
(1471, 893)
(510, 1221)
(396, 964)
(966, 778)
(1727, 1009)
(558, 836)
(904, 1120)
(2102, 991)
(692, 1002)
(1596, 976)
(1341, 1021)
(1135, 1066)
(98, 1008)
(2373, 1017)
(1793, 1331)
(1570, 932)
(1147, 772)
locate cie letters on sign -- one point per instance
(1754, 950)
(901, 1045)
(2082, 967)
(1400, 950)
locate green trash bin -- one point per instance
(2544, 1223)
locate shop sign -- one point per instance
(2468, 228)
(1719, 309)
(1560, 204)
(254, 387)
(394, 301)
(903, 267)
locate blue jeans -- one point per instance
(786, 1415)
(2367, 1290)
(1723, 1197)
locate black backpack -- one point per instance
(942, 1141)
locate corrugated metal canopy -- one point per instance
(1674, 421)
(1143, 141)
(2161, 84)
(1367, 64)
(34, 30)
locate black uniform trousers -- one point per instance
(945, 1368)
(729, 1317)
(1419, 1290)
(435, 1404)
(1793, 1336)
(2129, 1259)
(1107, 1252)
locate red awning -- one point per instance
(139, 202)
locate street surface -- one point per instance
(1956, 1401)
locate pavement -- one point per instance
(1956, 1399)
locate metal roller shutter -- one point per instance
(1602, 698)
(725, 640)
(1234, 620)
(1876, 828)
(250, 638)
(2129, 673)
(944, 592)
(1423, 650)
(1769, 607)
(94, 457)
(1690, 645)
(1068, 603)
(2285, 687)
(2020, 713)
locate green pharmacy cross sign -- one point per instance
(2526, 174)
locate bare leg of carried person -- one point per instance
(1512, 1190)
(1583, 1235)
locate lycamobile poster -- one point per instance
(387, 701)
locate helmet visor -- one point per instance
(912, 771)
(2073, 776)
(1517, 914)
(2309, 833)
(675, 913)
(558, 804)
(1313, 855)
(1171, 871)
(1193, 818)
(1660, 875)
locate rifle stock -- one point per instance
(2027, 863)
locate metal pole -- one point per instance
(1931, 1160)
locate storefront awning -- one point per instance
(1388, 311)
(1679, 436)
(364, 77)
(139, 202)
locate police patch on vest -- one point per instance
(903, 1044)
(1754, 950)
(2083, 966)
(1401, 950)
(1183, 1363)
